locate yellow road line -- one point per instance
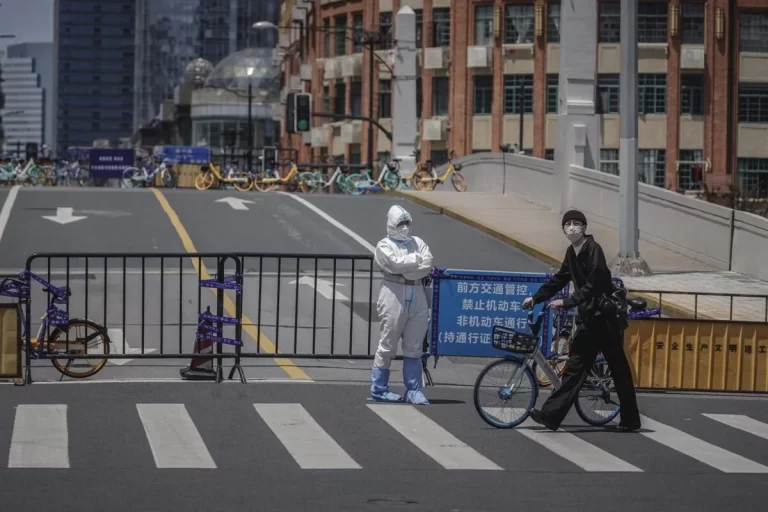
(287, 365)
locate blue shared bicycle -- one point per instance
(514, 392)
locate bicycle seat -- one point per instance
(637, 304)
(397, 159)
(205, 168)
(457, 167)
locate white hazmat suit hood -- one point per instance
(405, 260)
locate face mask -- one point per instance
(574, 233)
(401, 233)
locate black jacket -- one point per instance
(591, 275)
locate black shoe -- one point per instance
(538, 417)
(625, 428)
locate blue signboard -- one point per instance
(109, 163)
(466, 304)
(184, 154)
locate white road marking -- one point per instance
(40, 437)
(5, 213)
(304, 438)
(116, 347)
(574, 449)
(718, 458)
(432, 439)
(357, 238)
(742, 422)
(173, 437)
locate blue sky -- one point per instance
(31, 21)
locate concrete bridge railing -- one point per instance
(715, 235)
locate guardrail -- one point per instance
(707, 305)
(153, 306)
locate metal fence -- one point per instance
(292, 305)
(707, 305)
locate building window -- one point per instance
(483, 25)
(419, 26)
(609, 22)
(608, 94)
(340, 100)
(441, 95)
(753, 103)
(441, 27)
(652, 22)
(340, 23)
(552, 90)
(385, 26)
(753, 175)
(326, 100)
(518, 24)
(553, 23)
(549, 154)
(515, 88)
(609, 161)
(439, 157)
(385, 99)
(692, 94)
(356, 98)
(483, 94)
(357, 23)
(753, 32)
(692, 17)
(652, 94)
(689, 169)
(652, 166)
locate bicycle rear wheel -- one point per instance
(514, 389)
(596, 403)
(83, 336)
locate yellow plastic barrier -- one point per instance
(184, 174)
(698, 355)
(10, 341)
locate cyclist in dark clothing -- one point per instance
(596, 330)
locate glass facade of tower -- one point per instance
(95, 71)
(172, 33)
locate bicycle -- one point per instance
(429, 179)
(19, 288)
(210, 176)
(134, 177)
(525, 352)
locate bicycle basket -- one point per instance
(511, 340)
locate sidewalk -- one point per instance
(535, 230)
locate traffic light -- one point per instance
(302, 112)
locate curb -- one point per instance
(683, 312)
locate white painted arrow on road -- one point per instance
(324, 287)
(64, 216)
(235, 202)
(116, 347)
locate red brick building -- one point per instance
(703, 81)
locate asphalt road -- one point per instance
(125, 293)
(297, 447)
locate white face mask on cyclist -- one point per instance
(574, 233)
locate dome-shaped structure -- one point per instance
(197, 71)
(251, 65)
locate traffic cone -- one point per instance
(201, 368)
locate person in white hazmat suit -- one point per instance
(402, 306)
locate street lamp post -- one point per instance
(249, 72)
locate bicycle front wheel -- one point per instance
(85, 337)
(511, 392)
(596, 403)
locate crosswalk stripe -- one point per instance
(718, 458)
(742, 422)
(432, 439)
(306, 441)
(40, 438)
(173, 437)
(574, 449)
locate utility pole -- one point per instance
(628, 262)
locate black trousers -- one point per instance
(588, 340)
